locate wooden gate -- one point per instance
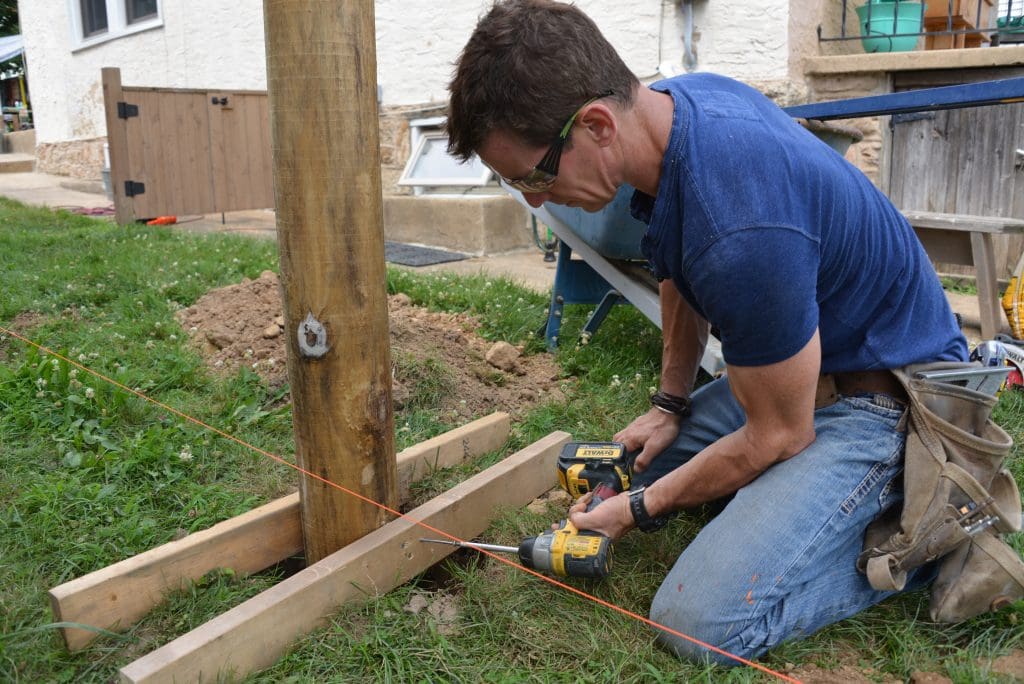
(183, 151)
(961, 161)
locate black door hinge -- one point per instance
(125, 110)
(907, 118)
(131, 188)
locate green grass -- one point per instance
(90, 474)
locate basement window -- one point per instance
(98, 21)
(431, 168)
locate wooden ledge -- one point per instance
(964, 222)
(969, 58)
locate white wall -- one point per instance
(219, 44)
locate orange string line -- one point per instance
(398, 514)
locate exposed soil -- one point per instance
(21, 324)
(244, 324)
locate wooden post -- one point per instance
(322, 83)
(117, 143)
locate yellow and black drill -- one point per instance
(600, 468)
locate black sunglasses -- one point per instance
(543, 175)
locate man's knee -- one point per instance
(698, 632)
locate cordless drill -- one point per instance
(602, 469)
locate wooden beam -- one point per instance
(118, 596)
(117, 143)
(255, 634)
(322, 85)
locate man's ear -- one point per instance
(600, 123)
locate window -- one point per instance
(141, 9)
(94, 17)
(431, 166)
(97, 21)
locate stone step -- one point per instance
(15, 162)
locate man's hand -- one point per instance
(654, 431)
(611, 518)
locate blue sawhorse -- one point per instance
(576, 282)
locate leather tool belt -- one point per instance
(832, 385)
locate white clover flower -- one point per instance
(90, 393)
(54, 362)
(40, 394)
(652, 389)
(186, 453)
(173, 337)
(41, 383)
(638, 377)
(157, 324)
(150, 344)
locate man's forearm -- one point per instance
(721, 469)
(684, 336)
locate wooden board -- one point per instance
(117, 142)
(959, 161)
(258, 632)
(117, 596)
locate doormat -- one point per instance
(412, 255)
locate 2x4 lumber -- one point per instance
(255, 634)
(964, 222)
(118, 596)
(322, 86)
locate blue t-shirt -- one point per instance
(769, 233)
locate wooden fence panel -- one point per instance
(240, 151)
(194, 151)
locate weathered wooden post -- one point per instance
(322, 83)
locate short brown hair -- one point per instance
(527, 67)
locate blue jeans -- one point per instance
(778, 562)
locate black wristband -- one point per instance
(641, 517)
(670, 403)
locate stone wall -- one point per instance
(81, 159)
(867, 154)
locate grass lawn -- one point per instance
(90, 475)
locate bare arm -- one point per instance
(684, 335)
(779, 403)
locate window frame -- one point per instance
(422, 132)
(117, 23)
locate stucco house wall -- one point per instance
(220, 45)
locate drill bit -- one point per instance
(472, 545)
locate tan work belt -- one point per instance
(832, 385)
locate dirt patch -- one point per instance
(844, 674)
(21, 324)
(243, 325)
(1010, 666)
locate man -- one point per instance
(812, 278)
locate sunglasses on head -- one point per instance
(542, 176)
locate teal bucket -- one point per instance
(877, 36)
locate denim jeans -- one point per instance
(778, 562)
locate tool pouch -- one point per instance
(958, 500)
